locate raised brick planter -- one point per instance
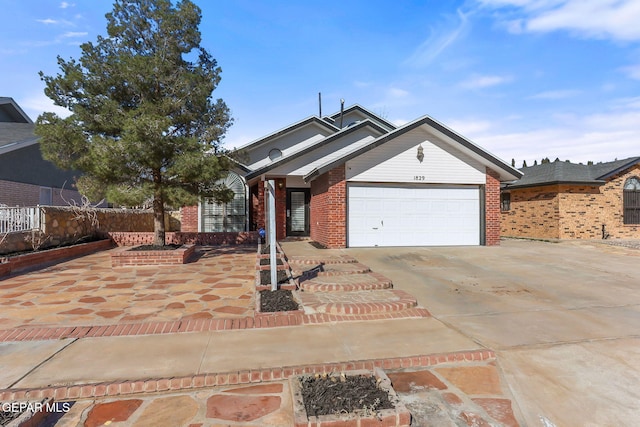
(127, 258)
(277, 318)
(186, 238)
(34, 259)
(399, 416)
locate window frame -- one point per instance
(505, 201)
(631, 202)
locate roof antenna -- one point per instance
(320, 104)
(341, 111)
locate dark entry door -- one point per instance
(298, 211)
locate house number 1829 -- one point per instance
(418, 177)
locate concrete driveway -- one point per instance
(563, 319)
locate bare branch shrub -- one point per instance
(36, 239)
(85, 214)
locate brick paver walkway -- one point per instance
(88, 291)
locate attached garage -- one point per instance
(418, 185)
(413, 215)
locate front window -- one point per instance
(229, 216)
(631, 201)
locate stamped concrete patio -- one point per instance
(87, 291)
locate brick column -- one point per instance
(337, 209)
(329, 209)
(189, 218)
(260, 215)
(281, 208)
(492, 208)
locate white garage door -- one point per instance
(413, 216)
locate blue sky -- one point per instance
(524, 79)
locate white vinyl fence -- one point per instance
(18, 219)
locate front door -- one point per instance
(298, 211)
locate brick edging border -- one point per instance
(269, 320)
(153, 385)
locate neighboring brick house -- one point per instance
(563, 200)
(354, 179)
(26, 179)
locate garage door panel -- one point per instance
(413, 216)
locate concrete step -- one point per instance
(309, 271)
(357, 303)
(345, 283)
(321, 259)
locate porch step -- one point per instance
(345, 283)
(317, 260)
(308, 271)
(385, 301)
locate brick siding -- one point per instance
(570, 211)
(492, 208)
(189, 219)
(534, 213)
(328, 209)
(20, 194)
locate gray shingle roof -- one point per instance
(571, 173)
(11, 133)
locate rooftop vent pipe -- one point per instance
(341, 111)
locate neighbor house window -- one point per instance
(505, 201)
(46, 196)
(631, 201)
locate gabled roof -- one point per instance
(571, 173)
(335, 117)
(10, 112)
(318, 144)
(14, 136)
(494, 162)
(16, 128)
(288, 129)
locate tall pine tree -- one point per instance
(144, 125)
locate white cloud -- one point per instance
(72, 34)
(632, 71)
(65, 5)
(601, 19)
(47, 21)
(399, 122)
(395, 92)
(36, 104)
(361, 84)
(469, 127)
(598, 137)
(479, 82)
(437, 42)
(556, 94)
